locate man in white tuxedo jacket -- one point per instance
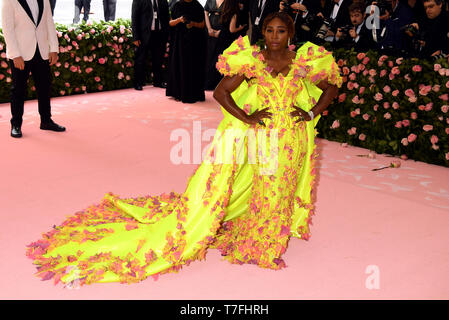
(31, 46)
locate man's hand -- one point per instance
(19, 63)
(352, 33)
(436, 53)
(339, 33)
(298, 7)
(53, 58)
(137, 43)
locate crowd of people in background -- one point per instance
(197, 35)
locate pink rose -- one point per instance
(445, 108)
(442, 71)
(436, 67)
(365, 60)
(378, 96)
(414, 115)
(444, 97)
(345, 71)
(411, 137)
(412, 99)
(387, 116)
(409, 93)
(435, 147)
(399, 60)
(390, 64)
(383, 72)
(383, 58)
(365, 116)
(404, 141)
(57, 73)
(395, 93)
(447, 84)
(391, 76)
(335, 124)
(434, 139)
(386, 105)
(387, 89)
(424, 90)
(352, 131)
(362, 137)
(375, 107)
(100, 87)
(372, 72)
(361, 55)
(97, 79)
(350, 85)
(395, 71)
(73, 69)
(67, 85)
(62, 92)
(362, 90)
(395, 105)
(101, 61)
(421, 107)
(352, 76)
(436, 88)
(89, 70)
(407, 77)
(405, 123)
(398, 124)
(447, 156)
(356, 100)
(417, 68)
(427, 127)
(342, 97)
(428, 106)
(447, 130)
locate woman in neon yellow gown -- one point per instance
(242, 200)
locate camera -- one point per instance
(345, 30)
(187, 20)
(410, 30)
(328, 24)
(287, 4)
(414, 38)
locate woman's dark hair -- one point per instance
(437, 2)
(230, 8)
(284, 17)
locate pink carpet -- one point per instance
(375, 235)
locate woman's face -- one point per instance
(276, 35)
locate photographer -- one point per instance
(299, 10)
(390, 38)
(433, 30)
(339, 15)
(356, 35)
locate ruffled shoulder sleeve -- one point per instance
(320, 64)
(240, 58)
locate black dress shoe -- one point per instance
(16, 132)
(52, 126)
(138, 88)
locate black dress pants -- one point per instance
(156, 46)
(109, 9)
(40, 71)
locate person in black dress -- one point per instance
(212, 14)
(187, 52)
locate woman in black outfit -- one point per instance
(187, 52)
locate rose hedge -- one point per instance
(391, 105)
(387, 104)
(93, 57)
